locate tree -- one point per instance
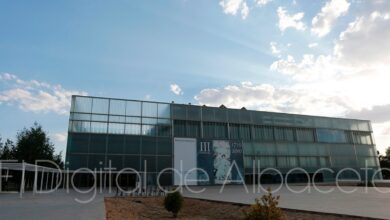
(384, 162)
(34, 144)
(8, 151)
(265, 208)
(173, 202)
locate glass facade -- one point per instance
(128, 133)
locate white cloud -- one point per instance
(232, 7)
(270, 98)
(352, 80)
(262, 2)
(60, 137)
(366, 42)
(290, 21)
(323, 22)
(244, 10)
(35, 96)
(312, 45)
(176, 89)
(274, 48)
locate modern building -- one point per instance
(152, 136)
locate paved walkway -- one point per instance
(63, 206)
(360, 203)
(54, 206)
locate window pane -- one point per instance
(100, 106)
(78, 116)
(234, 131)
(82, 104)
(208, 114)
(179, 128)
(164, 121)
(149, 130)
(179, 111)
(193, 129)
(362, 137)
(164, 111)
(266, 162)
(114, 118)
(284, 134)
(99, 118)
(149, 109)
(264, 148)
(245, 132)
(81, 126)
(116, 128)
(133, 129)
(133, 108)
(164, 131)
(221, 130)
(136, 120)
(248, 162)
(331, 136)
(208, 130)
(305, 135)
(117, 107)
(151, 121)
(98, 127)
(263, 133)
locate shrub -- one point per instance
(265, 208)
(173, 202)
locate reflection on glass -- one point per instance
(116, 128)
(164, 111)
(331, 136)
(114, 118)
(81, 126)
(136, 120)
(133, 108)
(79, 116)
(133, 129)
(98, 127)
(149, 109)
(149, 130)
(151, 121)
(82, 104)
(117, 107)
(100, 106)
(99, 118)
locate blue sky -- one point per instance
(252, 53)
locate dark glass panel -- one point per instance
(131, 161)
(96, 162)
(115, 144)
(150, 163)
(132, 145)
(78, 143)
(148, 145)
(116, 161)
(98, 143)
(164, 162)
(179, 128)
(77, 161)
(164, 146)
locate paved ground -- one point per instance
(58, 206)
(360, 203)
(61, 205)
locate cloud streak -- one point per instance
(35, 96)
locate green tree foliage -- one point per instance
(34, 144)
(265, 208)
(7, 150)
(173, 202)
(385, 163)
